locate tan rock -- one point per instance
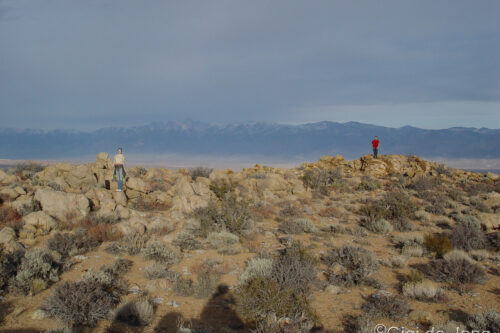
(489, 221)
(61, 205)
(43, 222)
(81, 177)
(120, 198)
(7, 234)
(23, 204)
(102, 161)
(122, 212)
(133, 194)
(138, 185)
(492, 200)
(9, 193)
(6, 179)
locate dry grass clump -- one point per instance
(221, 187)
(138, 312)
(159, 271)
(200, 172)
(10, 218)
(438, 244)
(297, 225)
(27, 170)
(426, 291)
(456, 268)
(131, 244)
(256, 267)
(159, 252)
(295, 324)
(105, 233)
(289, 209)
(386, 305)
(486, 321)
(350, 265)
(424, 183)
(221, 239)
(38, 269)
(72, 243)
(330, 212)
(467, 235)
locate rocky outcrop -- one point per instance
(61, 205)
(6, 179)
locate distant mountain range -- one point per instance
(350, 139)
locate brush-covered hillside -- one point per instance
(329, 246)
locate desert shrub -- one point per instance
(358, 324)
(186, 241)
(439, 244)
(219, 239)
(412, 250)
(200, 172)
(118, 267)
(424, 183)
(329, 212)
(184, 287)
(455, 194)
(27, 170)
(136, 313)
(207, 284)
(37, 270)
(321, 180)
(230, 213)
(72, 243)
(413, 277)
(380, 226)
(159, 252)
(350, 265)
(158, 271)
(261, 297)
(289, 209)
(467, 235)
(80, 303)
(149, 205)
(99, 219)
(220, 187)
(297, 226)
(386, 305)
(442, 169)
(104, 233)
(9, 218)
(8, 266)
(475, 188)
(256, 267)
(423, 291)
(437, 208)
(131, 244)
(456, 268)
(295, 324)
(393, 205)
(486, 321)
(402, 224)
(368, 184)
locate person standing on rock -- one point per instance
(119, 173)
(375, 144)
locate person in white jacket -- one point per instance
(119, 173)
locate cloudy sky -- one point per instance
(95, 63)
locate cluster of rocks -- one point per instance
(66, 192)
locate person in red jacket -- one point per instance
(375, 144)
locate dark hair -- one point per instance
(120, 148)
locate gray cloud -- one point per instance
(98, 63)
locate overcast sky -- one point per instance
(95, 63)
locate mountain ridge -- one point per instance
(272, 139)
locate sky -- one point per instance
(97, 63)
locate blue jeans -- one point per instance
(375, 152)
(119, 176)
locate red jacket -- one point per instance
(375, 143)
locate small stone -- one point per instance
(158, 300)
(135, 290)
(173, 303)
(80, 257)
(39, 315)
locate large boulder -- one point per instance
(81, 177)
(102, 200)
(489, 221)
(120, 198)
(23, 205)
(7, 234)
(102, 161)
(9, 194)
(61, 205)
(137, 184)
